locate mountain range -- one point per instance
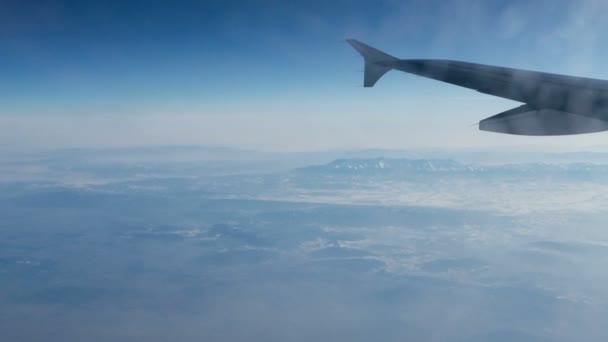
(420, 167)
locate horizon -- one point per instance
(215, 170)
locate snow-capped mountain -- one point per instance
(361, 165)
(420, 167)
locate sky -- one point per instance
(275, 75)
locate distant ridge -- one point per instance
(386, 164)
(419, 167)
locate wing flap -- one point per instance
(525, 120)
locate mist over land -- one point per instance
(465, 236)
(192, 243)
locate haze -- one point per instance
(196, 170)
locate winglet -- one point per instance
(377, 63)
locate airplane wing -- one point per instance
(554, 104)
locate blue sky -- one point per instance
(255, 73)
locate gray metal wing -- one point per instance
(565, 104)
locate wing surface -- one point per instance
(554, 104)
